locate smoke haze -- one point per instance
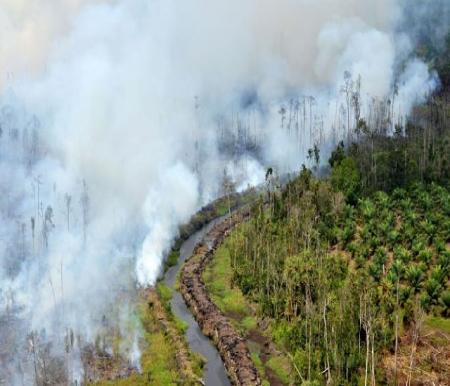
(118, 119)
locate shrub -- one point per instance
(360, 261)
(380, 256)
(375, 270)
(368, 209)
(445, 302)
(425, 301)
(393, 237)
(398, 268)
(438, 274)
(425, 255)
(345, 178)
(347, 235)
(353, 248)
(405, 294)
(444, 260)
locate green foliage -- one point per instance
(165, 292)
(181, 325)
(171, 259)
(249, 323)
(279, 366)
(260, 367)
(438, 323)
(445, 302)
(218, 278)
(315, 260)
(414, 275)
(345, 178)
(337, 155)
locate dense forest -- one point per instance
(351, 262)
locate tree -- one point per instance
(414, 274)
(85, 210)
(337, 155)
(68, 200)
(345, 178)
(347, 90)
(47, 225)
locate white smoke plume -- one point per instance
(119, 117)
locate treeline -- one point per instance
(394, 151)
(419, 150)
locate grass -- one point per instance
(164, 292)
(280, 367)
(222, 207)
(249, 323)
(159, 353)
(437, 323)
(181, 325)
(172, 259)
(218, 277)
(260, 367)
(158, 362)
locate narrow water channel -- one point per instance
(214, 372)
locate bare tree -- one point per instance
(347, 90)
(68, 199)
(32, 220)
(47, 225)
(85, 210)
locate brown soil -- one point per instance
(214, 324)
(267, 351)
(425, 361)
(102, 365)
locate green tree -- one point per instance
(345, 178)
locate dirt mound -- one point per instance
(214, 324)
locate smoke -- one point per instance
(119, 118)
(427, 22)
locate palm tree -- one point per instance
(414, 274)
(438, 274)
(402, 254)
(425, 255)
(433, 288)
(367, 209)
(444, 260)
(445, 302)
(398, 268)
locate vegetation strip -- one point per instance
(183, 356)
(274, 366)
(214, 324)
(166, 358)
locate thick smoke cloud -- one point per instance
(119, 118)
(428, 21)
(29, 29)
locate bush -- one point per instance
(425, 255)
(345, 178)
(402, 254)
(414, 274)
(433, 288)
(445, 302)
(393, 237)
